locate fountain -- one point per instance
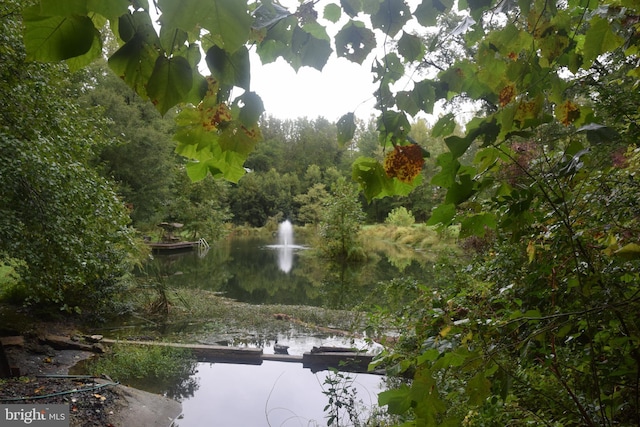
(285, 246)
(285, 234)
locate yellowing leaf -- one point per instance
(445, 331)
(531, 251)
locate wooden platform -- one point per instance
(172, 247)
(346, 361)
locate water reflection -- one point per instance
(258, 271)
(272, 394)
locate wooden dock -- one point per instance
(316, 360)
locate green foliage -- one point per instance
(341, 222)
(59, 218)
(167, 368)
(201, 206)
(400, 216)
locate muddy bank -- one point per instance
(43, 362)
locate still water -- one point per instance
(271, 394)
(250, 269)
(267, 271)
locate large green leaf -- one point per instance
(56, 38)
(227, 21)
(307, 49)
(374, 181)
(411, 47)
(95, 51)
(427, 12)
(449, 167)
(230, 69)
(134, 63)
(111, 9)
(170, 82)
(332, 12)
(477, 224)
(442, 215)
(354, 41)
(351, 7)
(600, 39)
(391, 16)
(444, 126)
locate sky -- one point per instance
(341, 87)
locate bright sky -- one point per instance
(341, 87)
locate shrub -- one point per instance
(400, 217)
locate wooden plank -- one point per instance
(205, 352)
(317, 361)
(344, 361)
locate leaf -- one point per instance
(63, 7)
(374, 181)
(251, 108)
(196, 171)
(94, 52)
(411, 47)
(230, 69)
(267, 14)
(449, 167)
(428, 11)
(477, 225)
(111, 9)
(461, 190)
(227, 21)
(170, 82)
(393, 126)
(398, 401)
(600, 39)
(332, 12)
(351, 7)
(56, 38)
(629, 251)
(444, 126)
(457, 145)
(478, 389)
(442, 215)
(346, 128)
(391, 16)
(354, 41)
(308, 50)
(135, 60)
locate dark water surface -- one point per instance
(249, 270)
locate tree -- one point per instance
(341, 222)
(143, 162)
(58, 217)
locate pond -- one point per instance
(249, 269)
(257, 271)
(271, 394)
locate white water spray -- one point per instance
(285, 233)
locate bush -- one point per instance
(400, 217)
